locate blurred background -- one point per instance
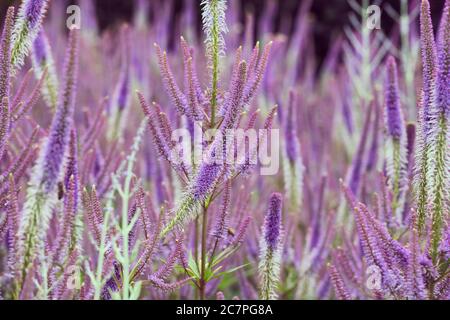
(328, 16)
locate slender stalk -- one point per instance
(125, 230)
(203, 253)
(196, 244)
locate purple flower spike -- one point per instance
(341, 291)
(62, 122)
(292, 143)
(5, 54)
(26, 28)
(272, 222)
(394, 117)
(415, 283)
(234, 101)
(429, 65)
(443, 72)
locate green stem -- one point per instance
(203, 253)
(196, 239)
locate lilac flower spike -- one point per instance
(41, 193)
(177, 97)
(339, 286)
(440, 142)
(272, 222)
(42, 58)
(59, 136)
(121, 96)
(5, 54)
(5, 106)
(414, 280)
(423, 166)
(293, 168)
(270, 250)
(396, 139)
(26, 28)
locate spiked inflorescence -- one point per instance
(270, 250)
(26, 28)
(395, 147)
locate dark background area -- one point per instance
(329, 16)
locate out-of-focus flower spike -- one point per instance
(119, 104)
(193, 112)
(41, 191)
(340, 289)
(250, 160)
(23, 109)
(174, 92)
(440, 142)
(270, 250)
(249, 31)
(423, 168)
(235, 97)
(372, 157)
(241, 231)
(188, 53)
(355, 173)
(252, 119)
(20, 161)
(293, 163)
(234, 78)
(20, 92)
(221, 222)
(269, 120)
(164, 124)
(5, 54)
(42, 59)
(161, 134)
(395, 145)
(393, 113)
(253, 61)
(410, 146)
(26, 28)
(415, 282)
(254, 83)
(59, 135)
(152, 126)
(95, 128)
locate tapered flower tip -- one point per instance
(427, 42)
(443, 52)
(272, 222)
(392, 100)
(33, 11)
